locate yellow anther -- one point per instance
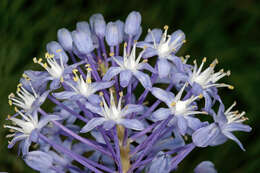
(121, 93)
(228, 73)
(111, 54)
(182, 59)
(101, 93)
(15, 109)
(75, 78)
(204, 112)
(173, 103)
(166, 27)
(88, 80)
(231, 87)
(145, 60)
(8, 116)
(45, 65)
(101, 104)
(51, 55)
(200, 96)
(61, 79)
(89, 69)
(195, 62)
(19, 85)
(87, 65)
(173, 49)
(145, 47)
(47, 55)
(18, 89)
(10, 102)
(39, 60)
(125, 44)
(184, 41)
(135, 41)
(75, 71)
(35, 60)
(187, 56)
(204, 59)
(59, 50)
(11, 95)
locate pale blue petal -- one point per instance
(143, 78)
(157, 34)
(94, 108)
(64, 94)
(94, 122)
(43, 121)
(232, 137)
(130, 108)
(132, 124)
(96, 86)
(182, 124)
(161, 114)
(164, 67)
(125, 77)
(205, 135)
(165, 96)
(205, 167)
(38, 160)
(109, 124)
(237, 127)
(112, 71)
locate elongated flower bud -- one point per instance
(132, 23)
(112, 34)
(98, 24)
(83, 42)
(65, 39)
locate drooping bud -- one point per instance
(65, 39)
(132, 23)
(83, 42)
(98, 24)
(112, 34)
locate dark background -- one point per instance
(223, 29)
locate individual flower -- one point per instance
(181, 110)
(83, 88)
(218, 132)
(164, 46)
(205, 167)
(132, 23)
(56, 64)
(112, 114)
(27, 128)
(130, 66)
(205, 82)
(28, 99)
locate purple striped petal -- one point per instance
(94, 122)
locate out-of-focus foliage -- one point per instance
(223, 29)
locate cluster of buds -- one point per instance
(101, 120)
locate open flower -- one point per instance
(27, 97)
(130, 66)
(111, 115)
(181, 110)
(56, 64)
(218, 132)
(164, 46)
(83, 88)
(26, 128)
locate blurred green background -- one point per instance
(223, 29)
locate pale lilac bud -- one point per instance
(84, 27)
(83, 42)
(132, 23)
(98, 24)
(112, 34)
(65, 39)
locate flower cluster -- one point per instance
(103, 119)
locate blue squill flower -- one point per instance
(26, 129)
(164, 46)
(83, 88)
(111, 115)
(205, 167)
(217, 133)
(181, 110)
(130, 66)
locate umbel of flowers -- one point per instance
(111, 112)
